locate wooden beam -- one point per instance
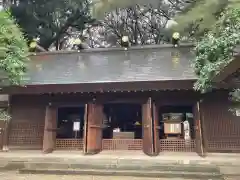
(50, 128)
(102, 87)
(229, 69)
(40, 49)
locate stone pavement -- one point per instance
(174, 164)
(128, 156)
(15, 176)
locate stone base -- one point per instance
(92, 152)
(5, 149)
(47, 151)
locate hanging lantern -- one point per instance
(175, 39)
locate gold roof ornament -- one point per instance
(33, 44)
(125, 39)
(125, 42)
(77, 41)
(176, 35)
(175, 39)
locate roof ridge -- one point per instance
(114, 49)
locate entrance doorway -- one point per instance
(176, 129)
(122, 127)
(70, 125)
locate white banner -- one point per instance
(76, 126)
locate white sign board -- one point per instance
(76, 126)
(237, 112)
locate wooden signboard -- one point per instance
(172, 128)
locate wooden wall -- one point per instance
(222, 128)
(27, 123)
(28, 113)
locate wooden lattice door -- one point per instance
(94, 128)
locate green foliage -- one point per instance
(215, 49)
(200, 17)
(235, 95)
(4, 115)
(13, 50)
(100, 7)
(51, 20)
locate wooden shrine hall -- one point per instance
(114, 99)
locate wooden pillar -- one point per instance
(147, 128)
(203, 128)
(198, 130)
(150, 128)
(50, 127)
(93, 134)
(1, 134)
(5, 132)
(6, 123)
(156, 128)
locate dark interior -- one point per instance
(66, 118)
(187, 114)
(127, 117)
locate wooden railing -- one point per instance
(177, 145)
(69, 144)
(122, 144)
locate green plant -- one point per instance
(4, 115)
(215, 50)
(13, 50)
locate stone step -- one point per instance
(111, 166)
(132, 173)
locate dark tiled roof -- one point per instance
(151, 63)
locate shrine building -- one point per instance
(140, 99)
